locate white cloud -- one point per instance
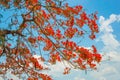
(105, 70)
(107, 37)
(112, 56)
(111, 44)
(109, 70)
(78, 78)
(57, 69)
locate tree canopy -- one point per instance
(51, 29)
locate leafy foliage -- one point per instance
(50, 26)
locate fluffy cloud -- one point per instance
(77, 78)
(111, 45)
(109, 70)
(107, 37)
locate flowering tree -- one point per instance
(49, 28)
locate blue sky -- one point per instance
(108, 43)
(104, 7)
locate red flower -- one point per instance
(70, 32)
(80, 22)
(66, 70)
(94, 49)
(1, 51)
(45, 77)
(49, 30)
(98, 57)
